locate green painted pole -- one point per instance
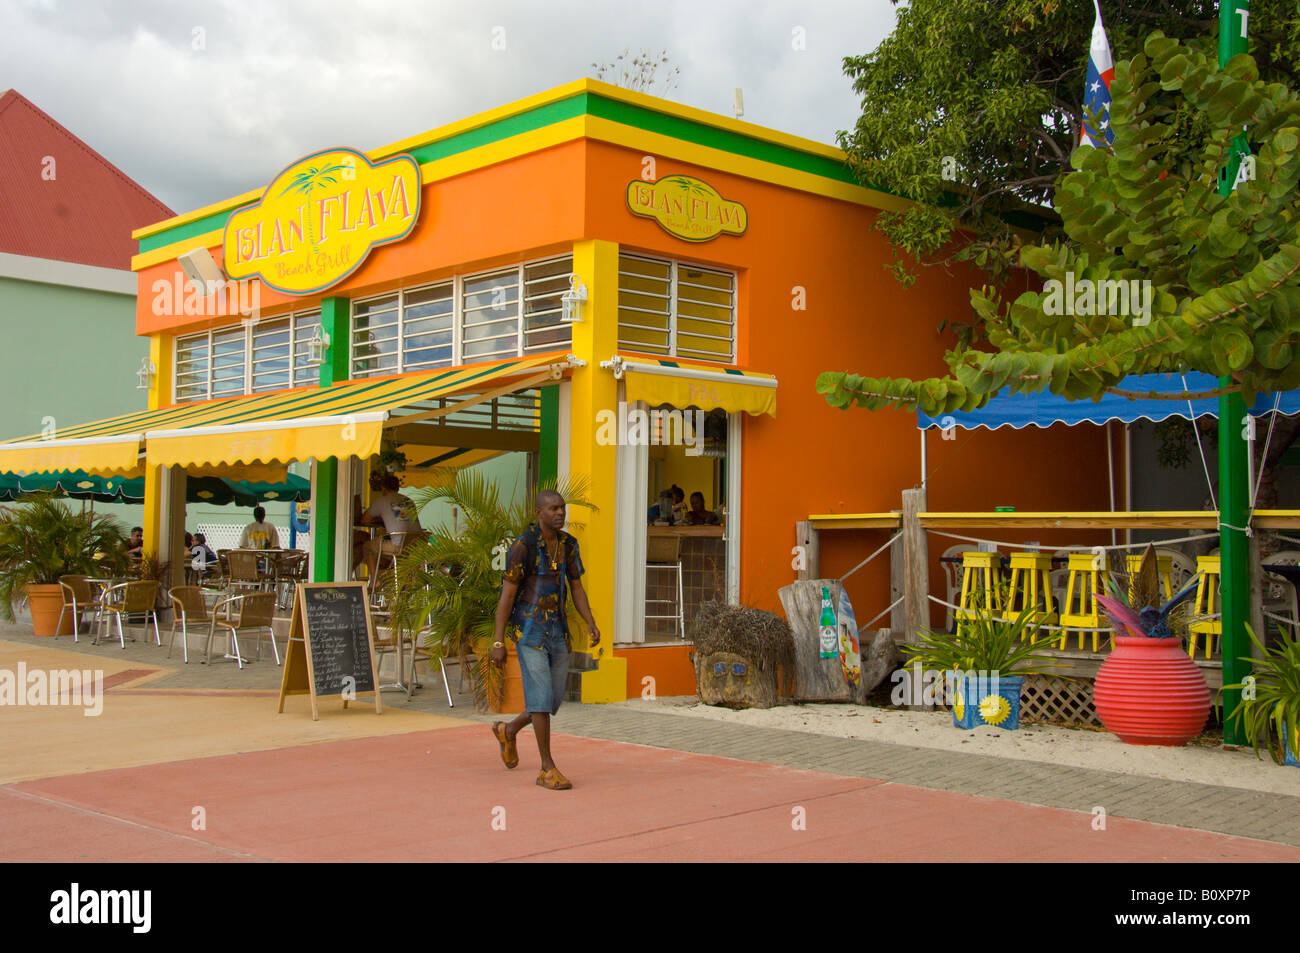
(334, 321)
(548, 437)
(1234, 474)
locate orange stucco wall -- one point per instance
(505, 213)
(813, 458)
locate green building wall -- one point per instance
(70, 354)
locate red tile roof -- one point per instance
(84, 214)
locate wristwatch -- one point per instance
(497, 645)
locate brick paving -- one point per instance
(1226, 810)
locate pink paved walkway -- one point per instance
(434, 795)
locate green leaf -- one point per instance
(1234, 344)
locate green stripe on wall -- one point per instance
(485, 135)
(723, 139)
(552, 113)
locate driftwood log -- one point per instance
(822, 680)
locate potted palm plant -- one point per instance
(449, 585)
(42, 539)
(984, 663)
(1269, 710)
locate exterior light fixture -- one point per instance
(204, 273)
(571, 301)
(320, 343)
(145, 374)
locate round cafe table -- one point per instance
(102, 584)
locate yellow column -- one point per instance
(593, 389)
(160, 356)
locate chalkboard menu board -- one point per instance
(338, 634)
(331, 644)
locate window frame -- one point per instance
(673, 331)
(249, 329)
(518, 276)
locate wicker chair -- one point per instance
(243, 571)
(255, 612)
(187, 606)
(78, 598)
(290, 569)
(131, 598)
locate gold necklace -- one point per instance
(554, 557)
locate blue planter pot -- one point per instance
(979, 701)
(1290, 758)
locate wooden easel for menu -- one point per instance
(331, 645)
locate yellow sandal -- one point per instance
(509, 753)
(554, 780)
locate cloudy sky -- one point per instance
(202, 101)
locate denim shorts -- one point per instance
(544, 668)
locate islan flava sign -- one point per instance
(319, 219)
(687, 208)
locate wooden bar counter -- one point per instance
(704, 575)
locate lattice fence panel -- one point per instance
(1058, 701)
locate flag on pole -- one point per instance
(1096, 93)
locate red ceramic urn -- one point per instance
(1149, 692)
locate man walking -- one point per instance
(533, 606)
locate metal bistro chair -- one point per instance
(187, 606)
(256, 613)
(384, 592)
(425, 653)
(243, 571)
(664, 553)
(290, 569)
(131, 598)
(78, 598)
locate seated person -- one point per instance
(679, 495)
(697, 515)
(259, 534)
(204, 559)
(399, 517)
(135, 545)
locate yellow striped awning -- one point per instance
(342, 420)
(708, 387)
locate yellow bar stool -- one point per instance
(979, 571)
(1165, 569)
(1031, 587)
(1207, 603)
(1086, 579)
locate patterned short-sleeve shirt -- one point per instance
(539, 608)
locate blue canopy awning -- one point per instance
(1044, 408)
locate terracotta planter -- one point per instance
(1148, 692)
(46, 603)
